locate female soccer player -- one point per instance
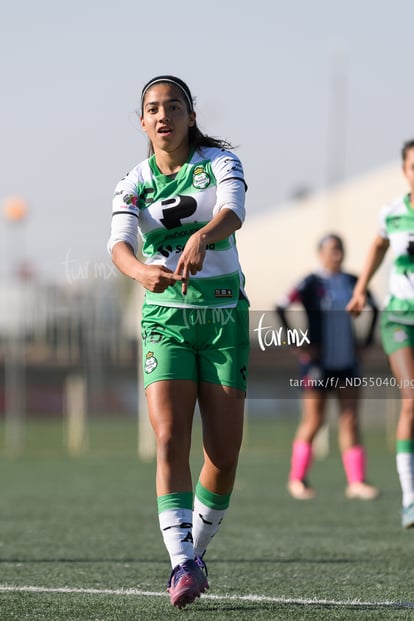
(325, 366)
(397, 319)
(186, 201)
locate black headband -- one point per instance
(172, 80)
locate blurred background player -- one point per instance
(397, 319)
(331, 357)
(186, 201)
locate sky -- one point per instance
(311, 93)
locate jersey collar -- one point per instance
(157, 173)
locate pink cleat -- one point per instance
(186, 583)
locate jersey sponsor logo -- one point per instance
(201, 179)
(183, 233)
(165, 250)
(233, 165)
(410, 246)
(146, 195)
(151, 362)
(223, 293)
(130, 199)
(177, 208)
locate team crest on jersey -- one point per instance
(151, 362)
(201, 179)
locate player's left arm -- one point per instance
(228, 216)
(224, 224)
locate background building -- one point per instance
(278, 245)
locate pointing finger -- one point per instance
(184, 279)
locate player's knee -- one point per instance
(226, 465)
(407, 409)
(172, 447)
(348, 420)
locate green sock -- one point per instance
(175, 516)
(209, 511)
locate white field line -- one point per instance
(351, 603)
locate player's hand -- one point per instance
(156, 278)
(191, 260)
(356, 304)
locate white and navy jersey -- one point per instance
(164, 211)
(324, 296)
(397, 226)
(338, 351)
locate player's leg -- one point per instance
(398, 343)
(223, 361)
(171, 383)
(170, 380)
(222, 414)
(402, 365)
(171, 407)
(351, 448)
(312, 419)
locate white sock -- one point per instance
(206, 522)
(176, 528)
(405, 469)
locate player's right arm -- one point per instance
(376, 254)
(155, 278)
(123, 243)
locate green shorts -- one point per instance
(395, 335)
(198, 344)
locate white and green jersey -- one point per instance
(164, 211)
(397, 225)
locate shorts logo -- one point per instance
(201, 179)
(151, 362)
(399, 336)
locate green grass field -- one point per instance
(79, 538)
